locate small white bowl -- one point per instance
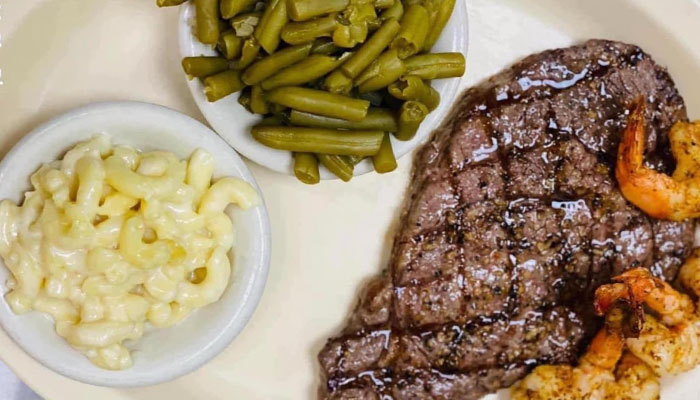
(230, 120)
(162, 354)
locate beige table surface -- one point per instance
(327, 239)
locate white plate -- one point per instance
(162, 354)
(328, 238)
(230, 120)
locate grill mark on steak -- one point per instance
(513, 220)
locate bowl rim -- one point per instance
(254, 287)
(218, 117)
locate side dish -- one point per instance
(111, 238)
(333, 78)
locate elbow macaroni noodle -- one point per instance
(111, 238)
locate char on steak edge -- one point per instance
(514, 219)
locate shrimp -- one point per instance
(675, 197)
(603, 373)
(669, 340)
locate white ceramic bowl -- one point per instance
(162, 354)
(230, 120)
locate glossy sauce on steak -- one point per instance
(513, 220)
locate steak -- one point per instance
(513, 220)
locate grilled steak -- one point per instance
(514, 218)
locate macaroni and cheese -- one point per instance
(111, 238)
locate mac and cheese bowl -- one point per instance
(90, 318)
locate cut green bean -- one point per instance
(169, 3)
(302, 10)
(351, 35)
(273, 63)
(382, 72)
(337, 82)
(229, 45)
(316, 140)
(306, 168)
(371, 49)
(413, 88)
(411, 114)
(249, 52)
(271, 23)
(444, 12)
(340, 166)
(257, 101)
(320, 102)
(436, 65)
(313, 67)
(324, 46)
(222, 84)
(231, 8)
(245, 24)
(307, 31)
(384, 161)
(414, 30)
(201, 67)
(207, 21)
(377, 119)
(395, 11)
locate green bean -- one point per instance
(411, 114)
(306, 168)
(169, 3)
(273, 20)
(231, 8)
(443, 16)
(320, 102)
(207, 21)
(316, 140)
(245, 24)
(337, 82)
(301, 10)
(377, 119)
(381, 4)
(340, 166)
(271, 64)
(414, 30)
(371, 49)
(257, 101)
(222, 84)
(350, 35)
(324, 46)
(313, 67)
(307, 31)
(249, 52)
(436, 65)
(413, 88)
(383, 71)
(395, 11)
(229, 45)
(384, 161)
(373, 25)
(201, 67)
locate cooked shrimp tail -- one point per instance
(653, 192)
(659, 195)
(638, 287)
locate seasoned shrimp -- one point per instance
(598, 376)
(669, 341)
(661, 196)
